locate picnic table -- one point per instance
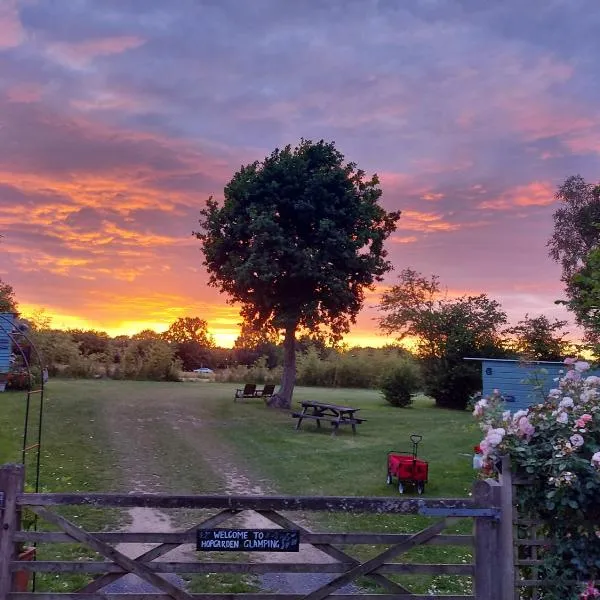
(335, 414)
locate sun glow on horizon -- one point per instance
(224, 332)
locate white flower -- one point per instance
(581, 366)
(596, 460)
(554, 393)
(480, 407)
(519, 414)
(494, 436)
(562, 418)
(566, 403)
(506, 416)
(592, 380)
(576, 440)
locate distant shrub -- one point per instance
(400, 383)
(257, 373)
(451, 383)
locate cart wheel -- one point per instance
(420, 487)
(388, 479)
(401, 487)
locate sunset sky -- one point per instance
(118, 118)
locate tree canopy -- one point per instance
(8, 302)
(189, 329)
(539, 338)
(446, 330)
(576, 224)
(584, 297)
(297, 240)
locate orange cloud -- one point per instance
(426, 222)
(409, 239)
(537, 193)
(79, 54)
(432, 196)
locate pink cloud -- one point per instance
(25, 92)
(11, 30)
(79, 54)
(537, 193)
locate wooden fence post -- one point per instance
(506, 550)
(486, 582)
(11, 484)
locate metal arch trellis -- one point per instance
(24, 346)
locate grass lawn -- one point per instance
(187, 437)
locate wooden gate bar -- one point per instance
(57, 566)
(336, 553)
(158, 551)
(123, 561)
(189, 537)
(374, 563)
(208, 596)
(375, 504)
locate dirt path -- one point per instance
(139, 439)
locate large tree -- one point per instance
(539, 338)
(576, 224)
(297, 240)
(445, 331)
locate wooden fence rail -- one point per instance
(492, 570)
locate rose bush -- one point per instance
(556, 445)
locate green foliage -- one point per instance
(150, 359)
(446, 331)
(538, 338)
(401, 383)
(556, 445)
(298, 239)
(576, 222)
(259, 372)
(356, 368)
(90, 341)
(189, 329)
(584, 296)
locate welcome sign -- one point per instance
(244, 540)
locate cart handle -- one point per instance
(415, 439)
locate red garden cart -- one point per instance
(407, 468)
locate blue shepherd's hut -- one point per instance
(6, 327)
(521, 383)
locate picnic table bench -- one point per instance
(335, 414)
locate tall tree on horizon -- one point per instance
(446, 331)
(296, 242)
(576, 224)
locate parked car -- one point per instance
(204, 370)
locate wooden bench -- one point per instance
(250, 391)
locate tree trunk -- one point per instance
(283, 397)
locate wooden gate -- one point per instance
(490, 569)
